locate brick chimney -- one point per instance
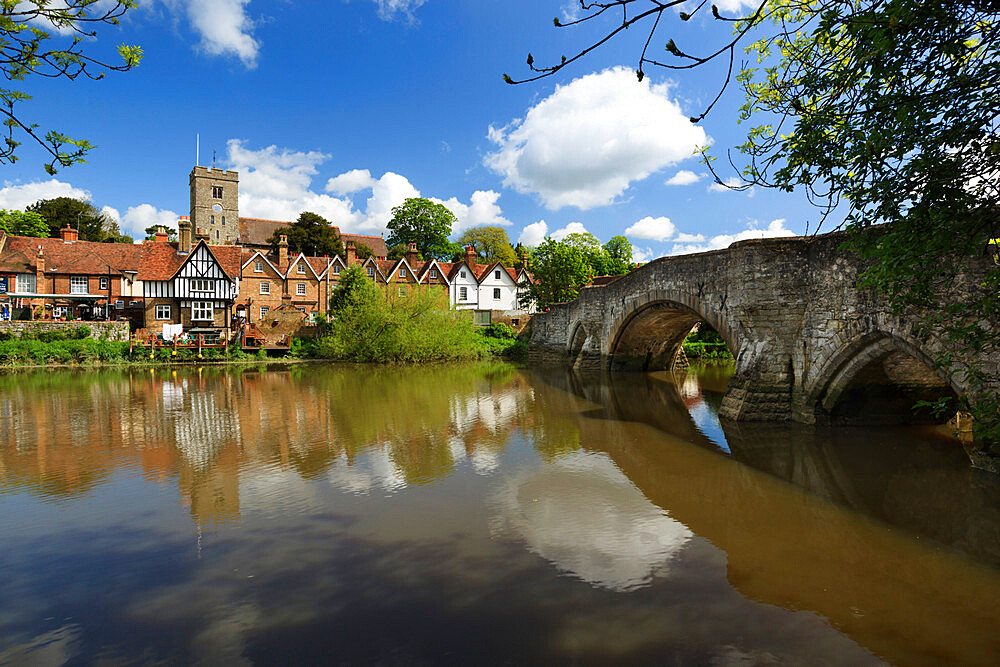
(68, 234)
(352, 253)
(161, 235)
(40, 271)
(470, 255)
(283, 253)
(184, 234)
(411, 254)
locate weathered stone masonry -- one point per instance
(807, 341)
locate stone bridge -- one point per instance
(809, 345)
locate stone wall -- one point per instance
(118, 331)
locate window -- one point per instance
(300, 268)
(216, 192)
(434, 273)
(201, 285)
(463, 293)
(402, 290)
(223, 220)
(258, 266)
(371, 271)
(496, 275)
(336, 269)
(202, 311)
(481, 317)
(402, 272)
(462, 273)
(60, 311)
(496, 292)
(265, 287)
(163, 312)
(300, 289)
(25, 282)
(213, 219)
(78, 284)
(263, 311)
(104, 283)
(216, 234)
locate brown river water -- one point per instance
(476, 514)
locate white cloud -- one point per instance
(389, 10)
(643, 255)
(391, 190)
(533, 234)
(482, 210)
(587, 142)
(683, 177)
(350, 182)
(224, 28)
(697, 244)
(655, 229)
(25, 194)
(726, 186)
(138, 218)
(571, 228)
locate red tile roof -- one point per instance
(20, 254)
(160, 261)
(256, 231)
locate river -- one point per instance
(475, 514)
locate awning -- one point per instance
(34, 295)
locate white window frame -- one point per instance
(199, 310)
(258, 266)
(401, 291)
(463, 293)
(265, 287)
(496, 293)
(402, 272)
(434, 273)
(201, 285)
(300, 268)
(336, 269)
(300, 289)
(164, 312)
(26, 282)
(104, 282)
(60, 311)
(78, 284)
(264, 310)
(371, 271)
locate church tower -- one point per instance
(215, 211)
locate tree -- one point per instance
(362, 251)
(619, 251)
(560, 270)
(491, 244)
(23, 223)
(423, 222)
(885, 113)
(92, 224)
(25, 30)
(153, 229)
(310, 234)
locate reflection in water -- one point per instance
(475, 513)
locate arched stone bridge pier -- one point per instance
(809, 345)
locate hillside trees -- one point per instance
(560, 270)
(311, 234)
(29, 30)
(425, 223)
(93, 225)
(491, 244)
(23, 223)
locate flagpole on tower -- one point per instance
(197, 149)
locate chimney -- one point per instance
(283, 252)
(352, 253)
(470, 255)
(184, 234)
(68, 234)
(161, 235)
(411, 254)
(40, 271)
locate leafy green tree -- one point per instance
(23, 223)
(26, 27)
(153, 229)
(311, 234)
(560, 270)
(363, 251)
(491, 243)
(885, 113)
(92, 224)
(400, 250)
(423, 222)
(619, 251)
(353, 288)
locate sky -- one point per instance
(347, 107)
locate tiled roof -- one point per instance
(376, 243)
(256, 231)
(80, 257)
(160, 261)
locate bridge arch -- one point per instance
(876, 377)
(651, 327)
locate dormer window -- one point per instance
(258, 266)
(371, 271)
(434, 273)
(216, 192)
(300, 268)
(336, 269)
(402, 272)
(496, 275)
(462, 273)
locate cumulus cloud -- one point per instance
(726, 186)
(587, 142)
(25, 194)
(483, 210)
(683, 177)
(696, 243)
(350, 182)
(391, 190)
(654, 229)
(571, 228)
(224, 27)
(389, 10)
(643, 255)
(138, 218)
(534, 233)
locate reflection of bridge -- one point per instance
(809, 345)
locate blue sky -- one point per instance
(346, 108)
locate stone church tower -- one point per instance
(215, 211)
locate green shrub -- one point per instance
(500, 330)
(81, 332)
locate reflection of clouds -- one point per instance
(375, 470)
(492, 411)
(484, 461)
(583, 514)
(690, 387)
(51, 648)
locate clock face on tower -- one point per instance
(217, 208)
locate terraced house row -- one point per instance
(205, 282)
